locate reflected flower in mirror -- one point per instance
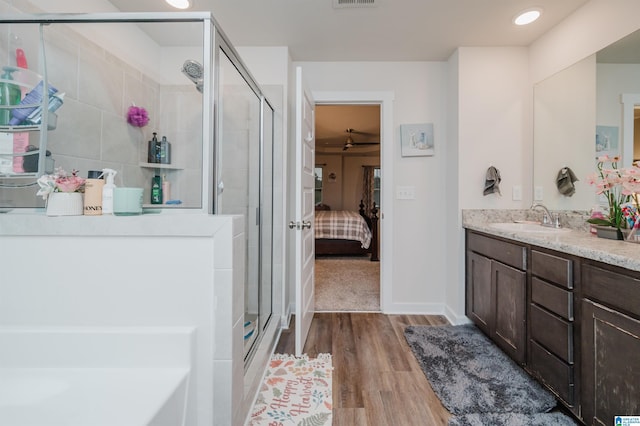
(620, 188)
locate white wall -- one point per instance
(418, 279)
(490, 104)
(332, 190)
(592, 27)
(612, 81)
(495, 125)
(564, 128)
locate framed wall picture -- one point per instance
(417, 139)
(607, 141)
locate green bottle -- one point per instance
(156, 190)
(9, 95)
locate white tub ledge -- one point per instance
(67, 385)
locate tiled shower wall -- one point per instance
(92, 132)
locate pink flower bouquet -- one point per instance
(60, 181)
(620, 187)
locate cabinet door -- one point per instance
(611, 373)
(479, 306)
(509, 286)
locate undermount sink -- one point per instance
(527, 227)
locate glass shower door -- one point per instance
(244, 188)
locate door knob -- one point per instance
(292, 225)
(306, 224)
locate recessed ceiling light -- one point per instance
(527, 16)
(179, 4)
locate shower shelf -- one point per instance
(160, 166)
(19, 129)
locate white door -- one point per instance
(302, 224)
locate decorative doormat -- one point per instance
(295, 391)
(477, 382)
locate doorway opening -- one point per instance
(348, 189)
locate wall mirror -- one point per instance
(579, 115)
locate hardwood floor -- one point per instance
(376, 379)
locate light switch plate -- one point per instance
(516, 193)
(538, 193)
(405, 192)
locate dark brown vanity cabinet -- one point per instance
(580, 319)
(551, 356)
(610, 341)
(496, 291)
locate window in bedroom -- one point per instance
(318, 194)
(376, 186)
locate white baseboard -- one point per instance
(426, 309)
(454, 318)
(414, 309)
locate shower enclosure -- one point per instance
(245, 185)
(221, 129)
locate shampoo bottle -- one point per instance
(156, 190)
(107, 191)
(165, 151)
(166, 189)
(93, 186)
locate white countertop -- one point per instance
(34, 222)
(576, 242)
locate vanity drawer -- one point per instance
(508, 253)
(552, 332)
(553, 298)
(617, 290)
(553, 372)
(552, 268)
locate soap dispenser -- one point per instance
(107, 191)
(154, 145)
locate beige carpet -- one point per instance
(347, 284)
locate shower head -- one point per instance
(195, 72)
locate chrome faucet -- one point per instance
(548, 219)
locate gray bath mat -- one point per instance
(471, 375)
(512, 419)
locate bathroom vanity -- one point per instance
(566, 307)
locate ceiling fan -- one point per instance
(350, 143)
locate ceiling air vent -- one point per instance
(340, 4)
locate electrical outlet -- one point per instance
(538, 193)
(516, 193)
(405, 192)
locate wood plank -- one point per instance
(376, 378)
(346, 365)
(349, 417)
